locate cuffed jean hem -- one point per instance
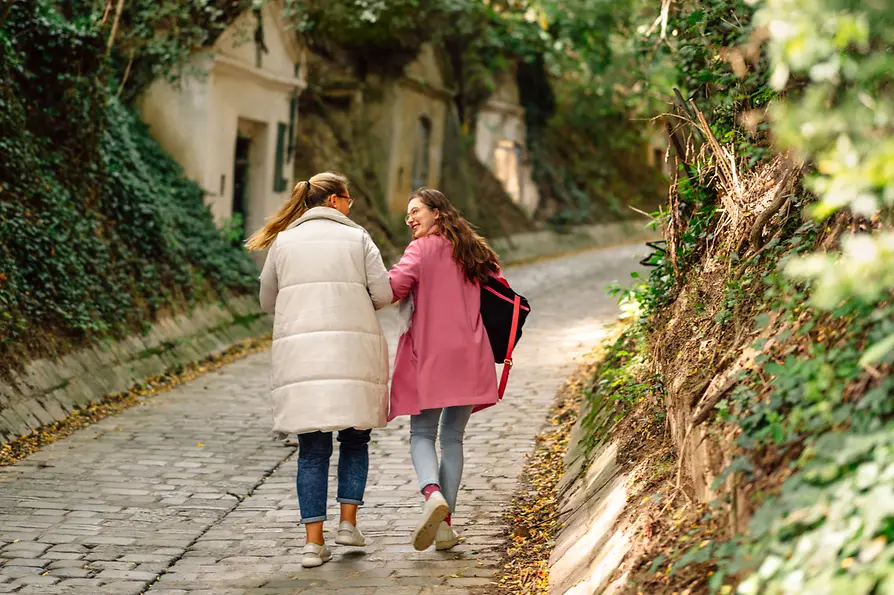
(349, 501)
(315, 519)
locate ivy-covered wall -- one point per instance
(100, 232)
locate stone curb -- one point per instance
(48, 390)
(524, 247)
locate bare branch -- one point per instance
(126, 74)
(105, 14)
(665, 9)
(118, 10)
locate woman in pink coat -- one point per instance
(444, 368)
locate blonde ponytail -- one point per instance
(305, 195)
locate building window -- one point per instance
(421, 152)
(279, 182)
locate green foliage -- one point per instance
(831, 528)
(154, 38)
(378, 35)
(844, 114)
(99, 229)
(664, 281)
(834, 56)
(710, 38)
(828, 529)
(622, 380)
(796, 406)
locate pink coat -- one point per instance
(445, 359)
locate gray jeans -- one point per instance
(423, 431)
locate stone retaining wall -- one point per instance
(592, 496)
(47, 390)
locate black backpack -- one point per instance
(503, 313)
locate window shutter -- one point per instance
(279, 182)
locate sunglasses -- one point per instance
(347, 198)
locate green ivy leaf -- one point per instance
(878, 352)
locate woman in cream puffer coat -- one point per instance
(322, 281)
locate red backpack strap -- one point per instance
(513, 331)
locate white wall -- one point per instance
(236, 99)
(197, 120)
(179, 118)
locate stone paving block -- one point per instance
(20, 571)
(41, 590)
(67, 556)
(36, 580)
(67, 564)
(122, 588)
(35, 563)
(70, 572)
(81, 583)
(111, 565)
(24, 549)
(126, 575)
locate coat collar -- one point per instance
(323, 213)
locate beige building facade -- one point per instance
(410, 126)
(231, 126)
(500, 143)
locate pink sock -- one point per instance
(430, 489)
(447, 520)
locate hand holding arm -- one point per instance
(376, 276)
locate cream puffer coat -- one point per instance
(322, 281)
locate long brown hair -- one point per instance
(470, 250)
(305, 195)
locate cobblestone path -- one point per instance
(188, 493)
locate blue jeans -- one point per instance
(314, 452)
(423, 431)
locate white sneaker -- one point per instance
(446, 537)
(348, 534)
(315, 555)
(436, 510)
